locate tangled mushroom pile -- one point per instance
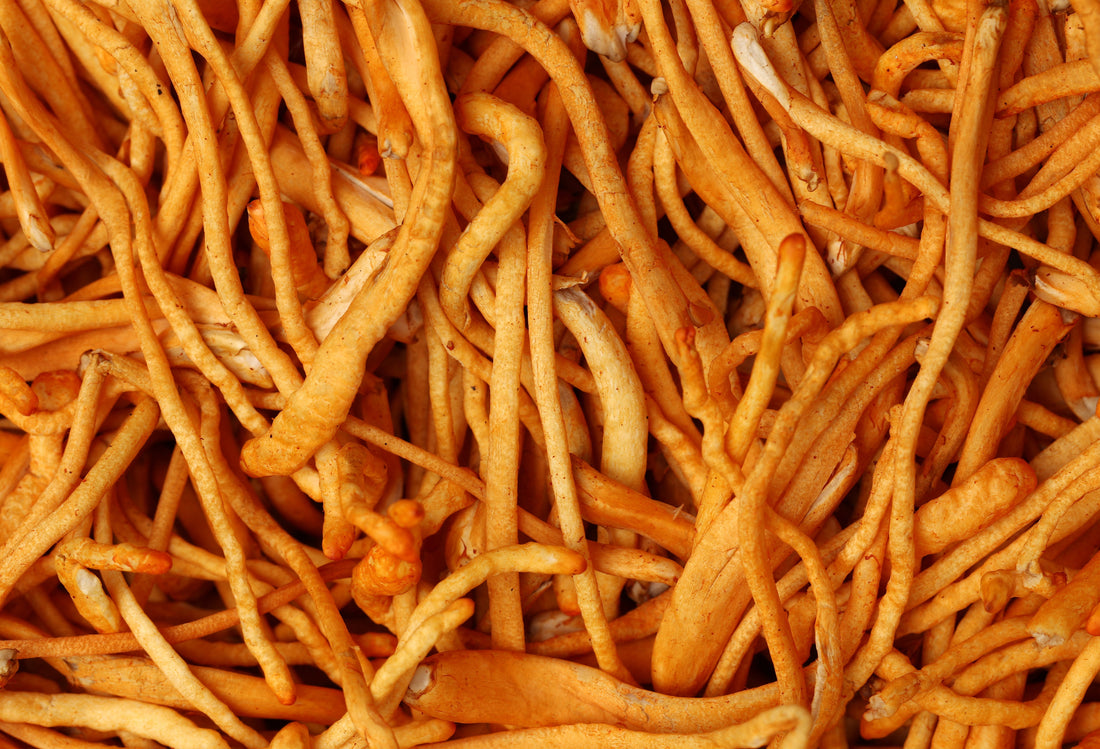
(570, 373)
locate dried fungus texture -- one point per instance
(570, 373)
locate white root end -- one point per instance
(876, 708)
(420, 681)
(604, 41)
(1030, 574)
(807, 174)
(921, 349)
(1048, 639)
(8, 665)
(842, 256)
(752, 57)
(1085, 408)
(628, 32)
(39, 232)
(1063, 290)
(548, 624)
(87, 582)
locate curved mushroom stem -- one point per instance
(315, 411)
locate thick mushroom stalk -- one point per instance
(316, 410)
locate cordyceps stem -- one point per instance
(711, 593)
(664, 298)
(315, 411)
(971, 130)
(531, 557)
(389, 684)
(328, 82)
(81, 502)
(187, 14)
(626, 434)
(485, 115)
(753, 500)
(361, 707)
(166, 28)
(1068, 697)
(765, 370)
(626, 424)
(543, 359)
(301, 257)
(165, 656)
(395, 128)
(1089, 13)
(32, 215)
(503, 461)
(109, 714)
(768, 210)
(534, 690)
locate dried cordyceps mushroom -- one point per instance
(589, 371)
